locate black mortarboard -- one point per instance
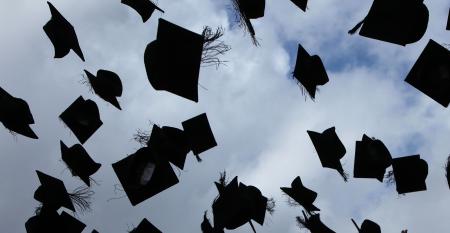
(145, 227)
(313, 223)
(368, 226)
(144, 174)
(301, 4)
(410, 173)
(52, 192)
(301, 195)
(62, 34)
(170, 143)
(249, 9)
(309, 71)
(329, 149)
(400, 22)
(199, 134)
(107, 85)
(431, 73)
(79, 162)
(448, 20)
(46, 220)
(144, 7)
(83, 118)
(15, 115)
(172, 61)
(371, 159)
(70, 224)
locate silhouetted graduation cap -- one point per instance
(431, 73)
(313, 223)
(238, 204)
(301, 195)
(145, 227)
(62, 34)
(395, 21)
(410, 173)
(170, 143)
(144, 174)
(79, 162)
(249, 9)
(329, 149)
(309, 71)
(368, 226)
(144, 7)
(301, 4)
(52, 192)
(172, 61)
(199, 134)
(107, 85)
(371, 159)
(45, 220)
(15, 115)
(83, 118)
(71, 224)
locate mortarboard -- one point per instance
(83, 118)
(249, 9)
(62, 34)
(301, 4)
(79, 162)
(313, 223)
(431, 73)
(52, 192)
(301, 195)
(107, 85)
(170, 143)
(371, 159)
(199, 134)
(172, 61)
(395, 21)
(329, 149)
(144, 174)
(15, 115)
(144, 7)
(410, 173)
(70, 224)
(368, 226)
(309, 71)
(145, 227)
(45, 220)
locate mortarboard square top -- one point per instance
(107, 85)
(173, 60)
(145, 8)
(199, 134)
(145, 227)
(79, 162)
(253, 9)
(301, 194)
(431, 73)
(410, 173)
(144, 174)
(83, 118)
(52, 192)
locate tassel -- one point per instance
(357, 26)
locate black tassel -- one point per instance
(356, 27)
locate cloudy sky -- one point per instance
(256, 111)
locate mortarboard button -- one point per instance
(106, 85)
(79, 162)
(301, 195)
(410, 173)
(371, 159)
(144, 7)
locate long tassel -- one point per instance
(344, 175)
(253, 227)
(356, 27)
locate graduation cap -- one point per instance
(170, 143)
(45, 220)
(400, 22)
(144, 7)
(368, 227)
(70, 224)
(301, 195)
(107, 85)
(15, 115)
(431, 73)
(83, 118)
(329, 149)
(313, 223)
(249, 9)
(145, 227)
(62, 34)
(238, 204)
(199, 134)
(410, 173)
(144, 174)
(172, 61)
(52, 192)
(79, 162)
(309, 71)
(371, 159)
(301, 4)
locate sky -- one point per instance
(256, 110)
